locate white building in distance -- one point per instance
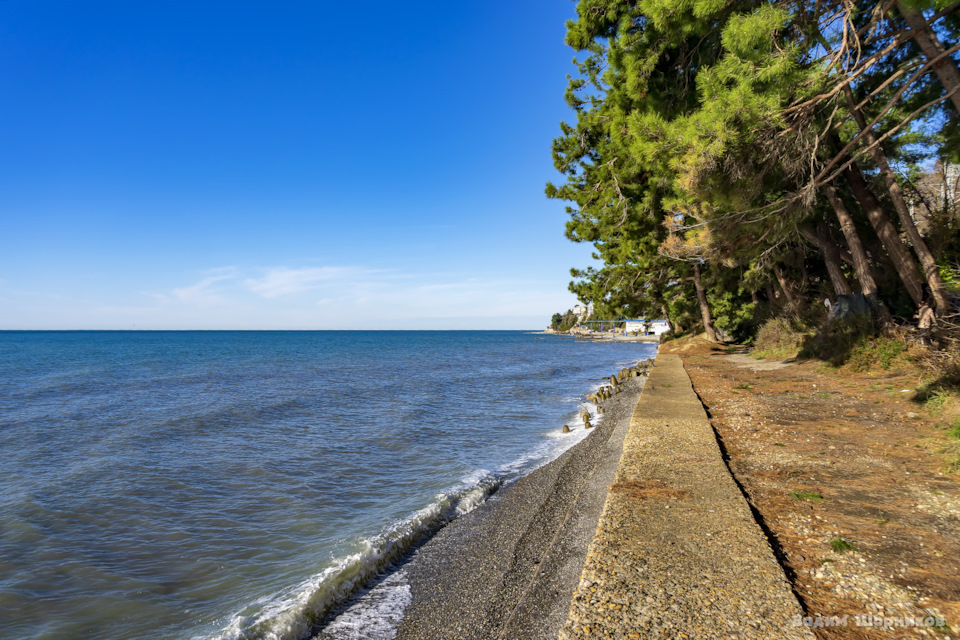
(583, 312)
(644, 326)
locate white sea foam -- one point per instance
(556, 442)
(376, 615)
(292, 613)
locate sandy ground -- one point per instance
(508, 569)
(823, 458)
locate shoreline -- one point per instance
(649, 544)
(508, 567)
(597, 336)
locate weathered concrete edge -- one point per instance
(704, 569)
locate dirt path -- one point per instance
(829, 461)
(677, 553)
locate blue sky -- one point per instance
(282, 165)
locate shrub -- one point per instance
(563, 322)
(936, 400)
(838, 341)
(868, 353)
(780, 338)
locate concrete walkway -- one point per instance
(677, 553)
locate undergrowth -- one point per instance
(952, 450)
(836, 342)
(869, 353)
(781, 338)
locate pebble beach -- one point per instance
(639, 531)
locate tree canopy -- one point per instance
(733, 160)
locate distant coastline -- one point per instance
(600, 336)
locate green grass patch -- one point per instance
(869, 353)
(953, 430)
(839, 545)
(743, 385)
(936, 400)
(952, 450)
(779, 444)
(807, 496)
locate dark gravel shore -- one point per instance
(509, 568)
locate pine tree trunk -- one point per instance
(926, 39)
(899, 256)
(663, 310)
(860, 263)
(831, 257)
(754, 297)
(702, 299)
(930, 269)
(783, 284)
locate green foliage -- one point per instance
(869, 353)
(780, 338)
(951, 277)
(836, 341)
(563, 322)
(701, 130)
(807, 496)
(936, 400)
(953, 447)
(839, 545)
(732, 312)
(953, 431)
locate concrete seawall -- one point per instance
(677, 552)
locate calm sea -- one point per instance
(243, 484)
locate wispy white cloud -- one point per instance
(336, 297)
(281, 281)
(297, 296)
(204, 292)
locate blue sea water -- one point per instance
(241, 484)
